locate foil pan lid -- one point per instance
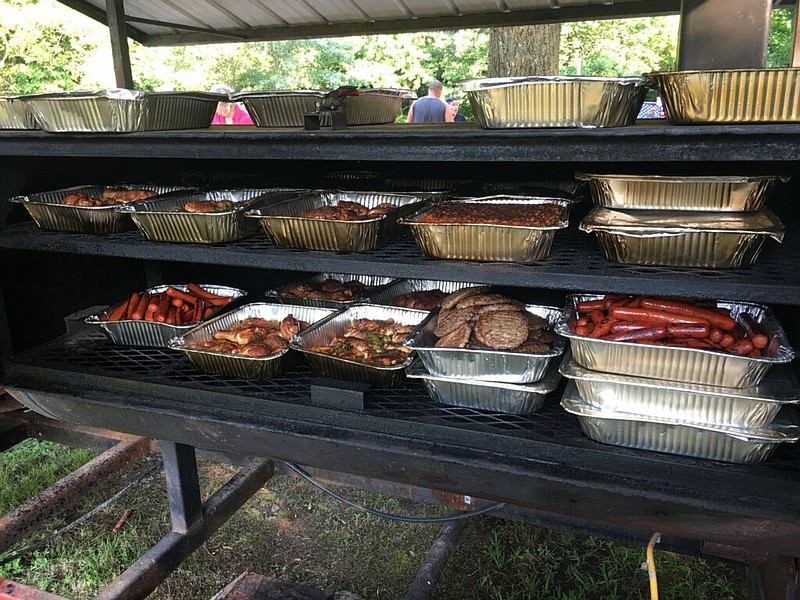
(471, 85)
(123, 94)
(647, 223)
(683, 178)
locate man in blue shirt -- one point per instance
(431, 108)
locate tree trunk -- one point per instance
(525, 50)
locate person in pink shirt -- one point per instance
(229, 113)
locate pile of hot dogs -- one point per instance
(172, 306)
(665, 322)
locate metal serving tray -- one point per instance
(728, 444)
(713, 405)
(676, 238)
(122, 110)
(664, 192)
(244, 367)
(286, 229)
(129, 332)
(555, 101)
(14, 114)
(50, 212)
(376, 282)
(689, 365)
(487, 242)
(375, 106)
(405, 286)
(279, 108)
(163, 220)
(485, 365)
(508, 398)
(327, 329)
(730, 95)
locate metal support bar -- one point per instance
(183, 485)
(115, 11)
(427, 578)
(143, 576)
(11, 590)
(774, 577)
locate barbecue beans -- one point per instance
(524, 215)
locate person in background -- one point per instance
(431, 108)
(452, 106)
(229, 113)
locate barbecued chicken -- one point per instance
(253, 337)
(345, 210)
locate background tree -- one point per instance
(526, 50)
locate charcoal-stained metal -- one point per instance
(11, 590)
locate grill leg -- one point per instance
(183, 485)
(775, 578)
(428, 576)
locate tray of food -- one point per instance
(202, 217)
(510, 398)
(711, 240)
(363, 343)
(331, 290)
(14, 114)
(747, 407)
(122, 110)
(160, 313)
(251, 342)
(673, 192)
(375, 106)
(88, 208)
(715, 442)
(488, 337)
(555, 101)
(494, 228)
(730, 95)
(337, 221)
(730, 344)
(279, 108)
(422, 294)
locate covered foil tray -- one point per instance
(163, 220)
(376, 282)
(730, 95)
(14, 114)
(282, 223)
(494, 396)
(405, 286)
(485, 365)
(689, 365)
(130, 332)
(327, 329)
(279, 108)
(121, 110)
(488, 242)
(237, 366)
(728, 444)
(712, 405)
(374, 106)
(48, 210)
(709, 240)
(555, 101)
(664, 192)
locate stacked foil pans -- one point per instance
(375, 284)
(279, 108)
(375, 106)
(15, 115)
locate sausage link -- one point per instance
(652, 334)
(689, 331)
(649, 315)
(724, 322)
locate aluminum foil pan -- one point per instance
(377, 283)
(728, 444)
(375, 106)
(163, 220)
(279, 108)
(730, 95)
(485, 365)
(405, 286)
(663, 192)
(244, 367)
(712, 405)
(555, 101)
(508, 398)
(486, 242)
(286, 229)
(50, 212)
(129, 332)
(571, 188)
(676, 238)
(14, 114)
(121, 110)
(689, 365)
(327, 329)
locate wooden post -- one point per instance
(115, 10)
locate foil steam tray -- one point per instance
(131, 332)
(676, 238)
(510, 398)
(488, 242)
(730, 95)
(555, 101)
(750, 407)
(282, 223)
(663, 192)
(405, 286)
(325, 330)
(14, 114)
(237, 366)
(485, 365)
(377, 283)
(689, 365)
(570, 188)
(49, 211)
(375, 106)
(122, 110)
(279, 108)
(164, 220)
(728, 444)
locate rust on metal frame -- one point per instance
(11, 590)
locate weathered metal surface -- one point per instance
(252, 586)
(11, 590)
(183, 485)
(424, 584)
